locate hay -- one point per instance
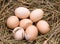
(52, 16)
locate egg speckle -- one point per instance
(36, 15)
(24, 23)
(43, 26)
(31, 33)
(22, 12)
(12, 22)
(18, 33)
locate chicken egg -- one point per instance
(43, 26)
(12, 22)
(24, 23)
(31, 33)
(36, 15)
(22, 12)
(18, 33)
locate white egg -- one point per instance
(36, 15)
(22, 12)
(12, 22)
(43, 27)
(18, 33)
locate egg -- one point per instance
(12, 22)
(18, 33)
(22, 12)
(31, 33)
(36, 15)
(43, 26)
(24, 23)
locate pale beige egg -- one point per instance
(24, 23)
(22, 12)
(18, 33)
(43, 27)
(31, 33)
(12, 22)
(36, 15)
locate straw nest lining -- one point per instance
(52, 16)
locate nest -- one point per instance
(52, 16)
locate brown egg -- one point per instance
(36, 15)
(43, 26)
(18, 33)
(31, 33)
(12, 22)
(22, 12)
(24, 23)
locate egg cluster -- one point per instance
(23, 26)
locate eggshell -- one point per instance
(12, 22)
(18, 33)
(24, 23)
(36, 15)
(43, 26)
(31, 33)
(22, 12)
